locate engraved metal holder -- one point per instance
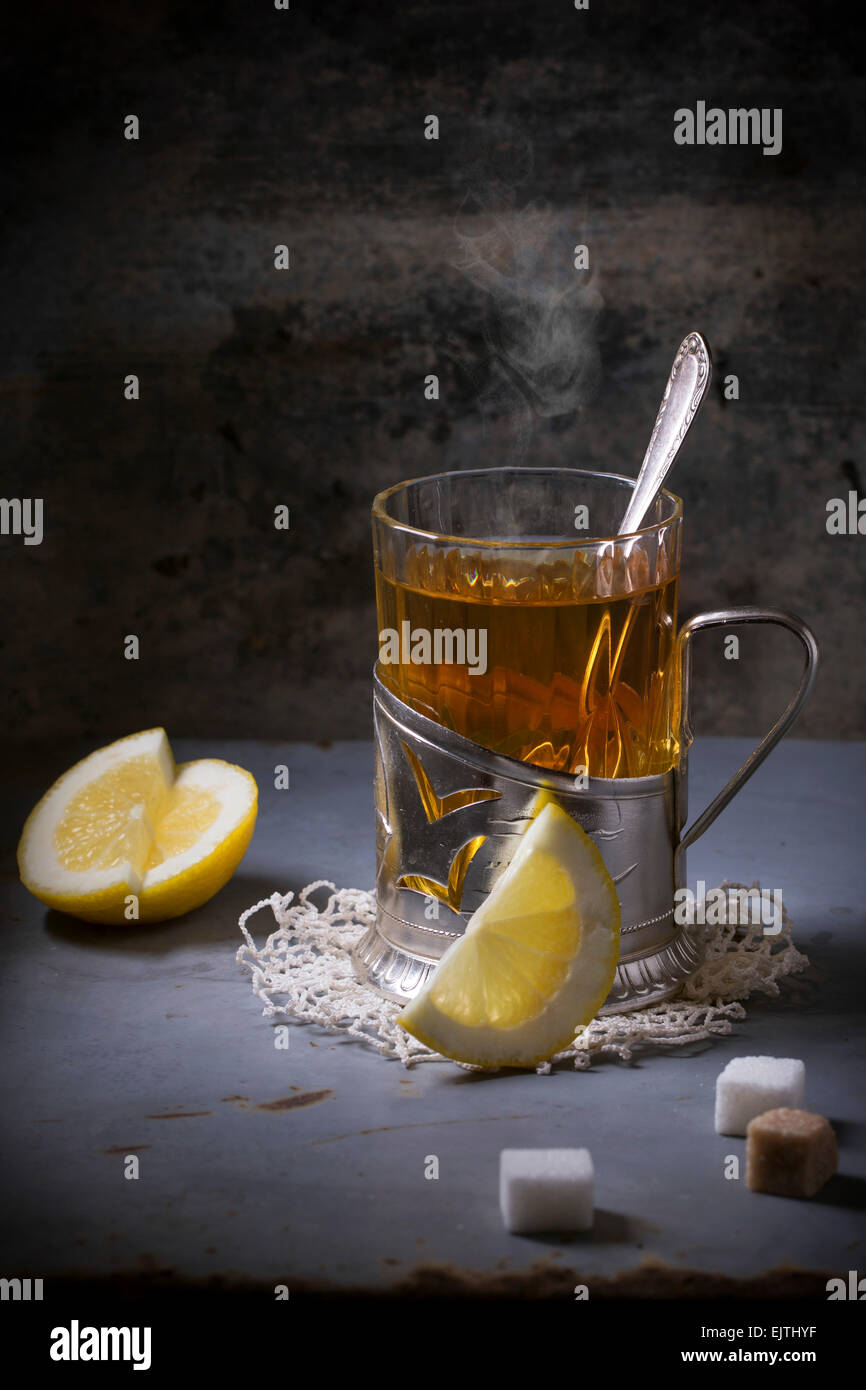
(449, 814)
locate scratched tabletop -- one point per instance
(306, 1166)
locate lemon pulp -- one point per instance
(126, 824)
(537, 959)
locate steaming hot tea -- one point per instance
(520, 612)
(568, 664)
(512, 612)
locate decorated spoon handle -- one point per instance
(686, 387)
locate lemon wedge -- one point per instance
(536, 961)
(125, 835)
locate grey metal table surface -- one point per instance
(306, 1166)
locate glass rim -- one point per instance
(379, 512)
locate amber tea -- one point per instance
(557, 652)
(567, 684)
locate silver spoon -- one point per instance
(686, 388)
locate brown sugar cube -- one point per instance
(790, 1152)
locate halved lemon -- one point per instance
(125, 835)
(536, 961)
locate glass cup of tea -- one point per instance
(525, 645)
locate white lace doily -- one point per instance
(306, 965)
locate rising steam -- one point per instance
(541, 314)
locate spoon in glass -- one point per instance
(685, 389)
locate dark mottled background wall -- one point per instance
(408, 256)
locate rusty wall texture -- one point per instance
(408, 256)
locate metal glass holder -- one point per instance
(449, 815)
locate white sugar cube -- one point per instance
(750, 1085)
(546, 1189)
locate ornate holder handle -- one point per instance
(726, 617)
